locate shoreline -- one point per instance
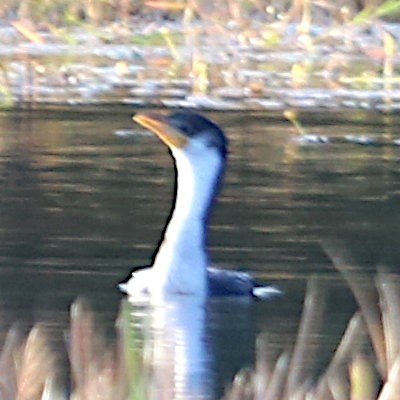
(337, 68)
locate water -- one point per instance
(84, 196)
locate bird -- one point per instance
(181, 265)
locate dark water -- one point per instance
(82, 200)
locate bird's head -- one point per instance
(186, 132)
(199, 149)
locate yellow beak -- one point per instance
(158, 124)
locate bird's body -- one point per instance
(181, 264)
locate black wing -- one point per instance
(222, 282)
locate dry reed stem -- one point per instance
(95, 369)
(81, 348)
(334, 381)
(362, 378)
(305, 348)
(36, 367)
(337, 387)
(8, 373)
(391, 388)
(242, 387)
(263, 368)
(276, 385)
(28, 370)
(389, 296)
(365, 293)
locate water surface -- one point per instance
(84, 196)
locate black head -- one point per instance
(195, 125)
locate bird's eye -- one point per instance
(185, 129)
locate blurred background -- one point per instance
(225, 55)
(307, 93)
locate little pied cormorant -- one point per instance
(181, 266)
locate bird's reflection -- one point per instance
(176, 348)
(191, 347)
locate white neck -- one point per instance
(181, 262)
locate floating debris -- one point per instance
(362, 139)
(124, 133)
(266, 104)
(311, 139)
(227, 92)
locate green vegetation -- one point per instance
(386, 8)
